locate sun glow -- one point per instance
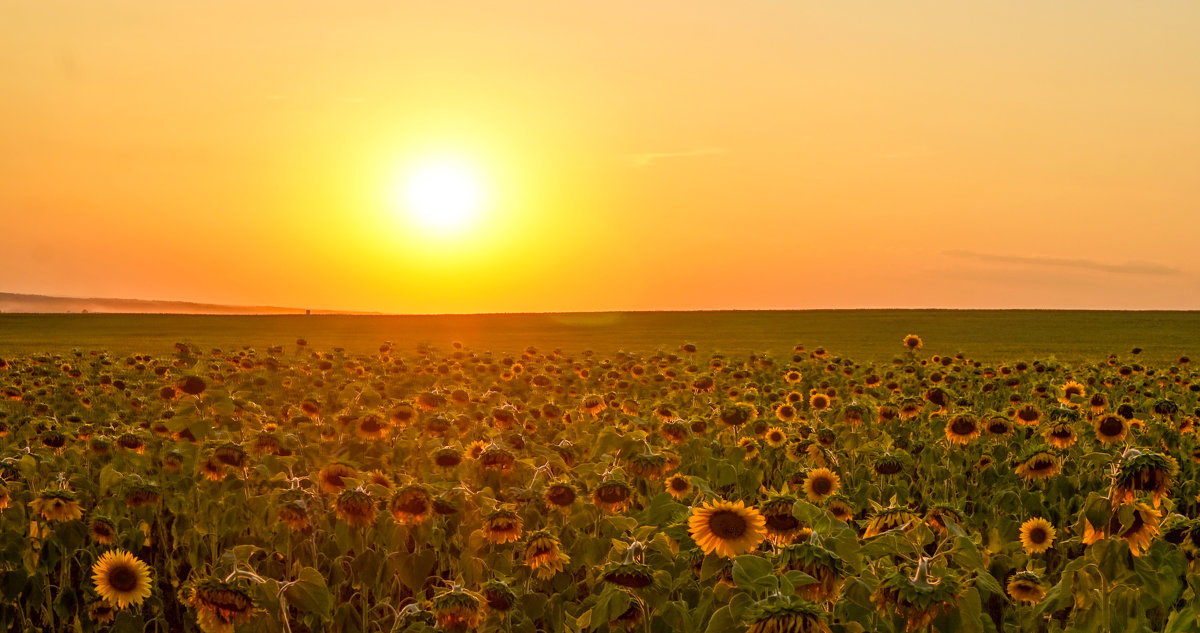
(443, 196)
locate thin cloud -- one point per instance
(643, 160)
(1123, 268)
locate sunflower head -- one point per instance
(918, 599)
(1037, 535)
(820, 484)
(121, 578)
(1060, 435)
(962, 428)
(355, 507)
(790, 614)
(57, 504)
(458, 610)
(726, 528)
(679, 486)
(502, 526)
(1143, 471)
(1038, 463)
(822, 564)
(411, 505)
(219, 606)
(499, 595)
(1111, 428)
(612, 495)
(912, 342)
(1026, 586)
(890, 518)
(629, 574)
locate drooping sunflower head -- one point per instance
(890, 518)
(940, 514)
(840, 507)
(499, 595)
(1137, 524)
(1143, 471)
(1028, 415)
(1026, 586)
(457, 610)
(102, 530)
(630, 574)
(786, 614)
(294, 515)
(962, 428)
(612, 495)
(726, 528)
(998, 426)
(889, 463)
(820, 484)
(822, 564)
(355, 507)
(502, 526)
(560, 495)
(121, 578)
(220, 606)
(781, 524)
(1037, 535)
(649, 464)
(330, 477)
(918, 599)
(1111, 428)
(57, 504)
(543, 554)
(411, 505)
(1038, 463)
(1060, 435)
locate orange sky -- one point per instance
(639, 155)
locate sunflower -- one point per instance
(750, 446)
(1072, 389)
(839, 506)
(1037, 535)
(1143, 471)
(1111, 428)
(737, 414)
(961, 429)
(913, 342)
(330, 477)
(781, 524)
(355, 507)
(5, 497)
(910, 407)
(612, 496)
(890, 518)
(1060, 435)
(820, 484)
(1098, 403)
(495, 457)
(101, 612)
(1038, 463)
(919, 599)
(102, 530)
(372, 426)
(629, 574)
(1140, 529)
(121, 579)
(502, 526)
(411, 505)
(649, 464)
(220, 606)
(593, 404)
(57, 505)
(786, 614)
(1026, 587)
(476, 448)
(776, 437)
(889, 464)
(726, 529)
(819, 402)
(294, 515)
(458, 610)
(499, 595)
(940, 514)
(679, 486)
(544, 555)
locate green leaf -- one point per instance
(309, 593)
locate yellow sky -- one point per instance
(639, 155)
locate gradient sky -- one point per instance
(694, 154)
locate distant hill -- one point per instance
(43, 304)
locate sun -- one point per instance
(443, 195)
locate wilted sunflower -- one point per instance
(294, 515)
(629, 574)
(560, 495)
(910, 407)
(1026, 586)
(961, 429)
(1060, 435)
(57, 504)
(919, 599)
(411, 505)
(822, 564)
(737, 414)
(544, 554)
(820, 484)
(220, 606)
(679, 486)
(502, 526)
(1111, 428)
(1038, 463)
(786, 614)
(330, 477)
(497, 458)
(649, 464)
(1142, 527)
(782, 526)
(1143, 471)
(725, 528)
(101, 612)
(890, 518)
(458, 610)
(1037, 535)
(121, 579)
(499, 595)
(889, 464)
(355, 507)
(102, 530)
(1028, 415)
(940, 514)
(612, 496)
(841, 509)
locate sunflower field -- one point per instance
(287, 490)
